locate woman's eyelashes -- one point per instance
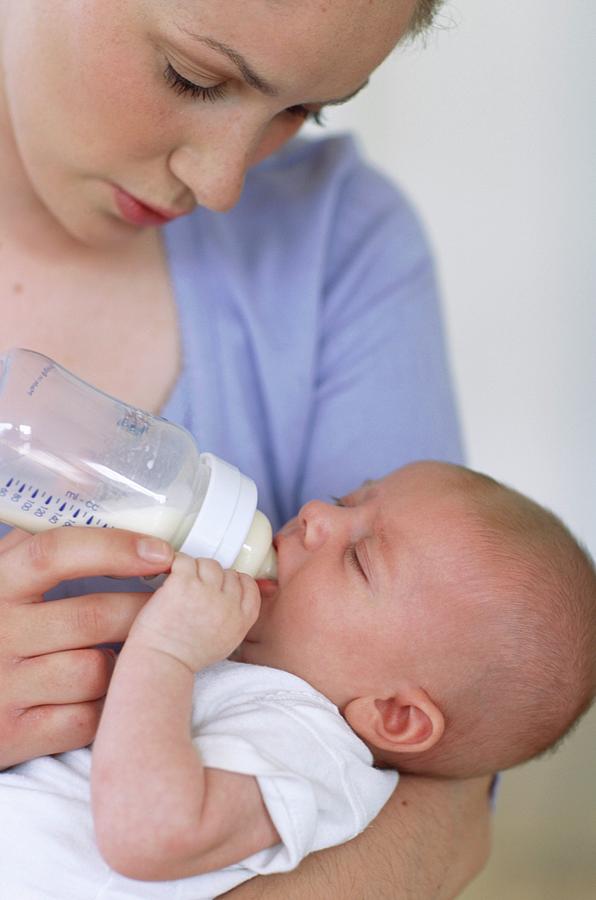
(183, 87)
(311, 115)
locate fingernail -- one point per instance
(154, 550)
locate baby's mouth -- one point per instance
(267, 587)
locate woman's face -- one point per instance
(168, 102)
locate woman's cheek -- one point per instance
(278, 132)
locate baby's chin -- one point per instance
(247, 652)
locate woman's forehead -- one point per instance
(335, 42)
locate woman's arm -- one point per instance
(428, 842)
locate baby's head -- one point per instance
(452, 620)
(512, 661)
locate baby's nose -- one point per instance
(316, 520)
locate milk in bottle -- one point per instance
(71, 455)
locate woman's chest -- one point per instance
(113, 324)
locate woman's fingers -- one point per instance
(32, 566)
(14, 537)
(43, 730)
(75, 622)
(43, 655)
(74, 676)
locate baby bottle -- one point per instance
(72, 455)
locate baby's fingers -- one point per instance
(210, 572)
(241, 590)
(250, 601)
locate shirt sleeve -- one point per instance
(315, 775)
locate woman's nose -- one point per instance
(214, 174)
(317, 521)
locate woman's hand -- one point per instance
(52, 679)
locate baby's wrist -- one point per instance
(195, 653)
(156, 646)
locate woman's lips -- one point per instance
(137, 213)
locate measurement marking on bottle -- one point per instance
(55, 509)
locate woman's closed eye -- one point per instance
(182, 86)
(210, 94)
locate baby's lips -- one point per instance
(267, 587)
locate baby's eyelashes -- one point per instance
(351, 556)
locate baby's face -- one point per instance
(364, 584)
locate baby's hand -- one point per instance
(200, 614)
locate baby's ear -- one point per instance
(407, 722)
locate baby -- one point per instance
(433, 622)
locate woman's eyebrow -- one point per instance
(248, 73)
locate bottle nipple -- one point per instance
(268, 567)
(257, 556)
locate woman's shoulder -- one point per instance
(324, 192)
(316, 169)
(304, 156)
(319, 193)
(309, 213)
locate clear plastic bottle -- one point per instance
(72, 455)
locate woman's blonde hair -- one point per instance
(423, 16)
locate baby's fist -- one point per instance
(201, 613)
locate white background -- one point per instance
(491, 130)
